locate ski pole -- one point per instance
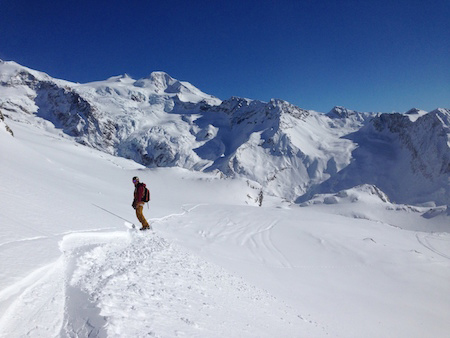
(114, 214)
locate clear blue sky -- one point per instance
(365, 55)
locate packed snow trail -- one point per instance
(133, 284)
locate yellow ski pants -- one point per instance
(140, 215)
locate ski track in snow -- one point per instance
(259, 240)
(434, 242)
(23, 240)
(59, 235)
(136, 284)
(36, 312)
(185, 209)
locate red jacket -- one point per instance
(138, 193)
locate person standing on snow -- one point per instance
(139, 201)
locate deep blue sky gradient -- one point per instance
(379, 56)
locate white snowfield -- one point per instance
(216, 264)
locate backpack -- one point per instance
(146, 196)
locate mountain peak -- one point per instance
(124, 78)
(415, 113)
(443, 114)
(160, 76)
(162, 83)
(158, 81)
(441, 111)
(340, 112)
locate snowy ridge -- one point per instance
(287, 151)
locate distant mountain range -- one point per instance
(281, 149)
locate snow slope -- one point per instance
(216, 265)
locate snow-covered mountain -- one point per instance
(345, 263)
(408, 158)
(284, 150)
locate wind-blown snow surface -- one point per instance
(345, 265)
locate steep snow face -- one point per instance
(284, 148)
(26, 94)
(105, 114)
(409, 160)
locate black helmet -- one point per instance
(135, 179)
